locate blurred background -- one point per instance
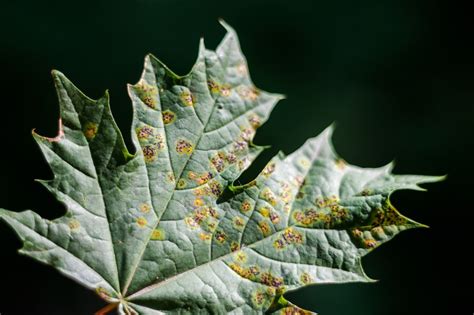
(396, 76)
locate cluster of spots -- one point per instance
(213, 188)
(203, 217)
(245, 206)
(151, 142)
(248, 92)
(147, 93)
(292, 310)
(200, 179)
(254, 273)
(286, 196)
(374, 233)
(268, 196)
(270, 214)
(74, 225)
(187, 98)
(247, 134)
(90, 130)
(216, 88)
(387, 215)
(183, 146)
(141, 222)
(288, 237)
(220, 161)
(327, 214)
(158, 234)
(305, 278)
(364, 239)
(168, 117)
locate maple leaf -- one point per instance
(148, 232)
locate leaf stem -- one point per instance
(106, 309)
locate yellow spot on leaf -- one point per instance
(90, 130)
(158, 235)
(142, 222)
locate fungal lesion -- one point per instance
(74, 225)
(187, 98)
(141, 222)
(168, 117)
(158, 234)
(184, 146)
(90, 130)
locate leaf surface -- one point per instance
(150, 231)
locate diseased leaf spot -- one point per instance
(242, 69)
(291, 310)
(288, 237)
(215, 188)
(234, 246)
(370, 243)
(204, 236)
(305, 278)
(158, 234)
(225, 90)
(248, 93)
(187, 98)
(340, 164)
(218, 161)
(145, 208)
(264, 227)
(220, 236)
(145, 132)
(74, 225)
(103, 293)
(168, 117)
(254, 120)
(268, 196)
(204, 216)
(150, 152)
(90, 130)
(247, 134)
(238, 223)
(198, 202)
(244, 163)
(246, 206)
(141, 222)
(240, 256)
(213, 86)
(184, 147)
(181, 183)
(269, 169)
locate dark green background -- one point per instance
(396, 76)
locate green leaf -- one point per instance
(150, 233)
